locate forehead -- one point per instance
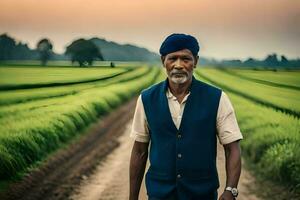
(183, 52)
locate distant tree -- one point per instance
(84, 52)
(112, 64)
(271, 60)
(249, 62)
(284, 59)
(44, 47)
(7, 46)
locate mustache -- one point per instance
(176, 71)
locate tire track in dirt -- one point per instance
(64, 170)
(97, 167)
(110, 181)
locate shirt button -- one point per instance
(178, 176)
(179, 155)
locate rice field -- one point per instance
(271, 135)
(41, 109)
(40, 121)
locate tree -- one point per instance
(112, 64)
(84, 52)
(7, 46)
(284, 60)
(271, 60)
(44, 47)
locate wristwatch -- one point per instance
(234, 191)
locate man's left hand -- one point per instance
(226, 196)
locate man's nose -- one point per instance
(177, 64)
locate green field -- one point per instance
(32, 76)
(271, 137)
(39, 122)
(24, 95)
(280, 98)
(41, 109)
(288, 79)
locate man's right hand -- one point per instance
(138, 160)
(226, 196)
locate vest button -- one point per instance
(179, 135)
(178, 176)
(179, 155)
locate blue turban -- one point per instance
(177, 41)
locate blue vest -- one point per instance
(182, 160)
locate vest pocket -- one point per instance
(198, 174)
(159, 175)
(159, 184)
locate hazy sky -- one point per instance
(224, 28)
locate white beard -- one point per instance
(179, 79)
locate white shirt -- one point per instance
(227, 127)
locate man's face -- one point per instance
(180, 65)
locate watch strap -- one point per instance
(234, 191)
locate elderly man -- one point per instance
(181, 118)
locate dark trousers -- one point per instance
(174, 196)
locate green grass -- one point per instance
(25, 95)
(28, 135)
(271, 138)
(290, 78)
(282, 99)
(281, 79)
(36, 122)
(20, 77)
(68, 63)
(271, 141)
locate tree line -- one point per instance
(82, 51)
(270, 61)
(85, 52)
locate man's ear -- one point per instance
(162, 58)
(196, 61)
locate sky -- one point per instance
(225, 29)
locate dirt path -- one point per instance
(97, 166)
(246, 182)
(110, 179)
(62, 173)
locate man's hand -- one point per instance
(233, 165)
(138, 160)
(226, 196)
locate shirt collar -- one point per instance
(171, 96)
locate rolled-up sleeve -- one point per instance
(227, 125)
(139, 130)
